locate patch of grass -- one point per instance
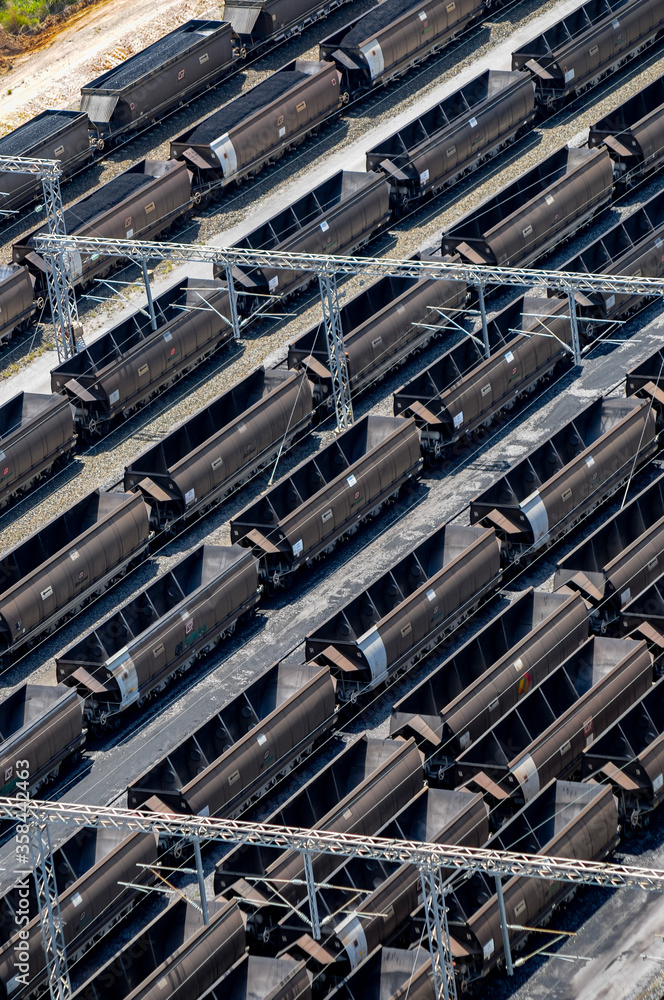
(18, 14)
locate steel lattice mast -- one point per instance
(61, 294)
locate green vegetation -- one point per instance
(18, 14)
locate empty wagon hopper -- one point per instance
(534, 213)
(558, 483)
(382, 326)
(543, 736)
(489, 674)
(241, 750)
(40, 727)
(17, 299)
(136, 360)
(454, 136)
(94, 866)
(358, 792)
(257, 976)
(630, 757)
(161, 631)
(407, 611)
(335, 217)
(225, 443)
(393, 36)
(176, 947)
(462, 391)
(324, 498)
(566, 820)
(621, 558)
(634, 134)
(55, 570)
(633, 246)
(588, 43)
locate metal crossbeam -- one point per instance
(423, 855)
(61, 294)
(50, 919)
(564, 281)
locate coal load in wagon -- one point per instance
(151, 58)
(239, 110)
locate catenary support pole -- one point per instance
(201, 879)
(503, 927)
(148, 292)
(336, 350)
(59, 985)
(311, 893)
(435, 910)
(485, 331)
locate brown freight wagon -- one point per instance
(452, 138)
(235, 755)
(176, 947)
(17, 300)
(137, 204)
(328, 496)
(557, 484)
(406, 612)
(358, 792)
(382, 326)
(256, 976)
(36, 434)
(390, 974)
(263, 24)
(54, 571)
(620, 558)
(158, 79)
(41, 726)
(390, 893)
(228, 441)
(566, 820)
(534, 213)
(454, 397)
(52, 135)
(259, 125)
(162, 631)
(394, 36)
(96, 872)
(132, 362)
(543, 736)
(634, 134)
(589, 43)
(336, 217)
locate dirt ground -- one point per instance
(91, 41)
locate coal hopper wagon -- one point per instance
(533, 214)
(327, 497)
(455, 136)
(241, 750)
(586, 45)
(139, 357)
(382, 325)
(543, 736)
(36, 435)
(407, 611)
(558, 483)
(228, 441)
(54, 571)
(461, 392)
(161, 632)
(471, 689)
